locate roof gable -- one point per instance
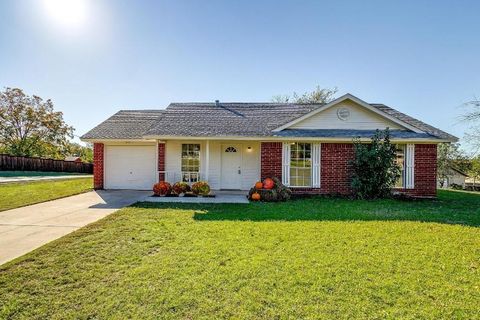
(347, 112)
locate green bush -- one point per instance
(375, 170)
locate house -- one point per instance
(453, 177)
(73, 159)
(233, 145)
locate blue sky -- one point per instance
(420, 57)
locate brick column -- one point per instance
(161, 160)
(336, 169)
(98, 165)
(425, 170)
(271, 160)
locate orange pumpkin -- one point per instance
(255, 196)
(259, 185)
(268, 183)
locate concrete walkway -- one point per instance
(220, 197)
(27, 228)
(38, 178)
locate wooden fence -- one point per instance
(12, 163)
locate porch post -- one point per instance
(207, 159)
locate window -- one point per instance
(231, 149)
(401, 163)
(300, 164)
(190, 162)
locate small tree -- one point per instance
(450, 157)
(474, 171)
(375, 170)
(473, 116)
(318, 95)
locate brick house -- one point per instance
(233, 145)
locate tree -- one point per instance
(318, 95)
(450, 156)
(29, 126)
(473, 116)
(76, 149)
(375, 170)
(474, 171)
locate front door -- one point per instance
(231, 166)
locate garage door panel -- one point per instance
(130, 167)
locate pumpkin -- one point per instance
(259, 185)
(162, 188)
(256, 196)
(268, 183)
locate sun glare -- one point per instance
(67, 13)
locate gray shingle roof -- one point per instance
(228, 119)
(125, 124)
(414, 122)
(232, 119)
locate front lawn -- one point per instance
(312, 258)
(19, 194)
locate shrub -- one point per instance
(162, 188)
(455, 186)
(375, 170)
(201, 188)
(181, 187)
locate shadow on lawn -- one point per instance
(449, 208)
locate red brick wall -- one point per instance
(425, 171)
(98, 163)
(335, 167)
(271, 160)
(161, 161)
(336, 170)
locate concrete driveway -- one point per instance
(27, 228)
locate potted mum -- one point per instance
(201, 188)
(181, 188)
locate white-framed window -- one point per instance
(190, 162)
(400, 153)
(405, 160)
(301, 164)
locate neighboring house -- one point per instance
(73, 159)
(233, 145)
(453, 176)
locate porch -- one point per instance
(220, 197)
(224, 164)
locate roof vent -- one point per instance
(217, 103)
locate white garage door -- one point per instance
(130, 167)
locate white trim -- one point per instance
(356, 100)
(316, 167)
(207, 159)
(156, 166)
(293, 139)
(410, 166)
(286, 163)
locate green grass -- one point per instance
(10, 174)
(19, 194)
(305, 259)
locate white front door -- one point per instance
(231, 166)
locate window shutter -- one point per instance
(316, 154)
(410, 166)
(286, 164)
